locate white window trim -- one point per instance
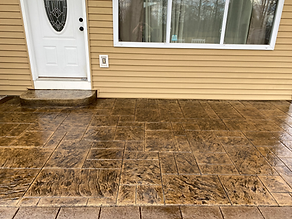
(224, 22)
(274, 34)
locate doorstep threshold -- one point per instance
(58, 97)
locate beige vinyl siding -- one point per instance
(153, 72)
(15, 74)
(188, 73)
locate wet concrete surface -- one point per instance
(147, 152)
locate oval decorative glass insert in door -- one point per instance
(57, 13)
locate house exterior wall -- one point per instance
(189, 73)
(154, 72)
(15, 74)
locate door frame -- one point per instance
(56, 83)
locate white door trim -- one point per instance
(50, 83)
(62, 84)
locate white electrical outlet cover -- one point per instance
(103, 61)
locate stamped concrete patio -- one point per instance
(145, 153)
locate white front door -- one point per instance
(58, 42)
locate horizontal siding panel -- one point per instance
(195, 83)
(9, 92)
(284, 41)
(14, 83)
(195, 91)
(13, 22)
(287, 15)
(15, 54)
(107, 43)
(16, 77)
(279, 47)
(155, 57)
(15, 71)
(9, 8)
(12, 90)
(286, 21)
(192, 64)
(100, 31)
(99, 4)
(9, 2)
(285, 34)
(287, 8)
(285, 28)
(10, 41)
(197, 69)
(13, 47)
(103, 24)
(100, 17)
(154, 75)
(194, 88)
(191, 96)
(202, 79)
(10, 14)
(13, 59)
(188, 52)
(9, 35)
(101, 37)
(5, 28)
(93, 11)
(14, 65)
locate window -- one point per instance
(217, 24)
(56, 13)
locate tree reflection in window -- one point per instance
(197, 21)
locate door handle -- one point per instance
(81, 28)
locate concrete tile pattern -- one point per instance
(77, 213)
(41, 213)
(276, 212)
(148, 212)
(196, 212)
(7, 212)
(241, 212)
(147, 152)
(120, 212)
(166, 212)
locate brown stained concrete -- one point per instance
(58, 97)
(147, 152)
(2, 97)
(146, 212)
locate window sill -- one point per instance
(193, 46)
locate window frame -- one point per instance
(167, 44)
